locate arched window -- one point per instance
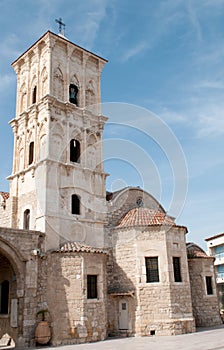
(74, 151)
(26, 219)
(75, 204)
(31, 152)
(90, 98)
(34, 95)
(73, 94)
(4, 297)
(58, 84)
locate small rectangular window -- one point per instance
(75, 204)
(209, 285)
(73, 93)
(91, 286)
(152, 269)
(31, 152)
(4, 297)
(177, 269)
(74, 151)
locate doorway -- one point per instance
(123, 314)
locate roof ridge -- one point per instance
(76, 246)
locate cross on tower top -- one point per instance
(61, 26)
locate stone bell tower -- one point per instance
(57, 183)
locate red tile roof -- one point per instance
(194, 251)
(70, 247)
(145, 217)
(5, 195)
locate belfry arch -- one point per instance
(16, 260)
(12, 277)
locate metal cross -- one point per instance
(61, 25)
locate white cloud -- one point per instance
(211, 122)
(194, 19)
(210, 84)
(172, 116)
(87, 22)
(134, 51)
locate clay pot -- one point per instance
(42, 333)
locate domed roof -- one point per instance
(145, 217)
(194, 251)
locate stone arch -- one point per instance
(76, 57)
(75, 80)
(16, 259)
(12, 267)
(92, 139)
(75, 146)
(33, 91)
(57, 147)
(92, 63)
(58, 84)
(76, 134)
(90, 95)
(23, 98)
(31, 149)
(43, 146)
(20, 158)
(74, 90)
(42, 142)
(43, 82)
(92, 156)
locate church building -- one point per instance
(92, 263)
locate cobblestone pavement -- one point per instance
(203, 339)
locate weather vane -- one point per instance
(61, 26)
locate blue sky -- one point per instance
(165, 56)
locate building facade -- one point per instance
(95, 263)
(215, 245)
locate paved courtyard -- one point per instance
(203, 339)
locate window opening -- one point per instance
(73, 94)
(152, 269)
(177, 269)
(91, 286)
(34, 97)
(209, 285)
(31, 152)
(4, 297)
(26, 219)
(74, 151)
(124, 306)
(75, 204)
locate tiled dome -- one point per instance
(194, 251)
(145, 217)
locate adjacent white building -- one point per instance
(215, 246)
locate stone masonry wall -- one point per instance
(122, 280)
(205, 307)
(74, 318)
(5, 213)
(20, 249)
(163, 307)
